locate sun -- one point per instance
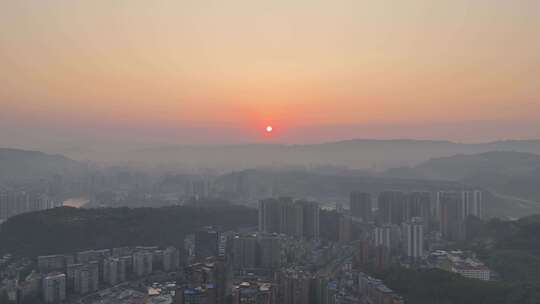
(269, 129)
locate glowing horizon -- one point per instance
(240, 65)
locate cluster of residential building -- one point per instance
(14, 202)
(402, 222)
(264, 267)
(86, 272)
(256, 251)
(282, 261)
(294, 218)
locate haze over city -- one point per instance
(269, 152)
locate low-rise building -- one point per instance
(462, 263)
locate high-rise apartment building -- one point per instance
(86, 278)
(206, 242)
(256, 251)
(387, 236)
(344, 228)
(291, 218)
(310, 219)
(418, 204)
(474, 203)
(360, 205)
(17, 202)
(269, 252)
(171, 259)
(294, 287)
(455, 207)
(54, 288)
(143, 263)
(413, 238)
(392, 207)
(114, 270)
(299, 219)
(452, 215)
(245, 252)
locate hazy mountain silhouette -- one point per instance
(357, 153)
(513, 174)
(264, 183)
(21, 164)
(466, 166)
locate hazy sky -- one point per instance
(203, 71)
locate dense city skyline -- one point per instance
(269, 152)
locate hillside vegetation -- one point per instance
(510, 248)
(69, 229)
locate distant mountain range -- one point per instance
(472, 166)
(18, 164)
(511, 174)
(357, 153)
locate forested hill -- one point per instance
(471, 167)
(70, 229)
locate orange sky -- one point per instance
(242, 64)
